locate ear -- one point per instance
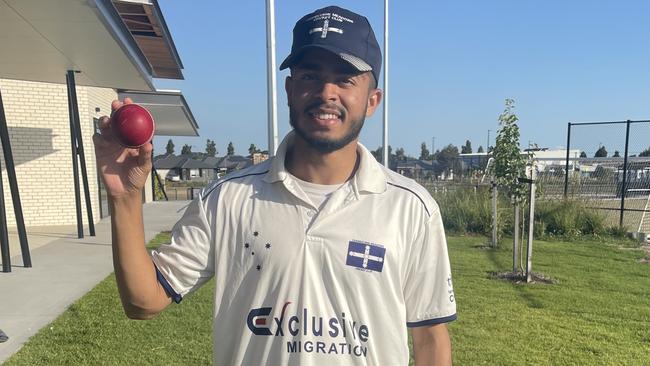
(288, 87)
(374, 98)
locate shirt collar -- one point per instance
(368, 178)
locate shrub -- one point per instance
(469, 211)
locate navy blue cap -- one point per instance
(340, 31)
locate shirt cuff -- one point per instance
(428, 322)
(168, 288)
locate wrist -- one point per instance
(127, 198)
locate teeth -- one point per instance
(325, 116)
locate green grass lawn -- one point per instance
(597, 314)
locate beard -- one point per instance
(322, 144)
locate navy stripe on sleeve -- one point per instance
(168, 288)
(423, 323)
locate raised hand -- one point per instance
(123, 170)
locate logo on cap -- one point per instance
(325, 28)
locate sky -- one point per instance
(452, 64)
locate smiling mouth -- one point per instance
(325, 117)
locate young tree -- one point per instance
(583, 154)
(616, 154)
(509, 163)
(601, 152)
(424, 152)
(170, 147)
(187, 149)
(210, 148)
(467, 148)
(480, 149)
(231, 149)
(252, 149)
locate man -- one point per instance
(321, 255)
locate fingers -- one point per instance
(117, 104)
(144, 154)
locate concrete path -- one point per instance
(64, 269)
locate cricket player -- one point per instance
(321, 256)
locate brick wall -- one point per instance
(39, 130)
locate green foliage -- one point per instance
(601, 152)
(645, 152)
(211, 148)
(480, 149)
(186, 150)
(448, 159)
(231, 149)
(400, 154)
(253, 149)
(583, 154)
(468, 211)
(424, 152)
(170, 147)
(509, 163)
(568, 219)
(467, 148)
(378, 153)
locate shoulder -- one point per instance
(408, 189)
(245, 176)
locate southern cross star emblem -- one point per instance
(325, 29)
(250, 247)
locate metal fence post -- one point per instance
(566, 166)
(515, 240)
(494, 214)
(531, 221)
(624, 183)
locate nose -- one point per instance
(328, 91)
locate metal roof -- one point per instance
(169, 109)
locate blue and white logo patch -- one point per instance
(366, 256)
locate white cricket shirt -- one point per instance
(300, 286)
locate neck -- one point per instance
(322, 168)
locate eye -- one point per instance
(347, 81)
(307, 77)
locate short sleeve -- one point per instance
(188, 261)
(428, 289)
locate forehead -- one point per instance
(317, 59)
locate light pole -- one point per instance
(487, 147)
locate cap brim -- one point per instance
(354, 61)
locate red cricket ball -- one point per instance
(133, 125)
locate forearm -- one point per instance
(432, 346)
(141, 294)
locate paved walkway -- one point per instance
(64, 269)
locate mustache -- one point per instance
(319, 105)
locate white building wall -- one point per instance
(39, 130)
